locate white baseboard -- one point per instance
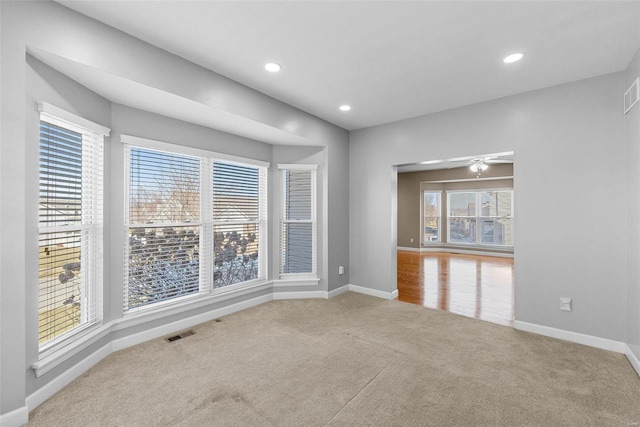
(340, 290)
(16, 418)
(374, 292)
(39, 396)
(300, 295)
(406, 248)
(589, 340)
(292, 281)
(456, 250)
(633, 359)
(20, 416)
(45, 392)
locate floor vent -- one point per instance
(631, 96)
(180, 336)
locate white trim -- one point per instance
(633, 359)
(223, 294)
(455, 250)
(312, 220)
(189, 151)
(16, 418)
(75, 121)
(300, 295)
(45, 392)
(295, 281)
(408, 249)
(341, 290)
(635, 83)
(39, 396)
(20, 416)
(56, 357)
(374, 292)
(298, 166)
(576, 337)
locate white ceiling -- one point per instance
(390, 60)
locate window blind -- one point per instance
(239, 221)
(298, 222)
(70, 224)
(194, 223)
(164, 229)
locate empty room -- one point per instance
(310, 213)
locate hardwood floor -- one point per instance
(469, 285)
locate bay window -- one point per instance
(195, 222)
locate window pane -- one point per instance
(431, 227)
(235, 192)
(164, 187)
(297, 194)
(236, 254)
(431, 204)
(496, 231)
(60, 176)
(462, 230)
(496, 203)
(60, 284)
(163, 264)
(297, 254)
(462, 204)
(431, 214)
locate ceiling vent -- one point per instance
(631, 96)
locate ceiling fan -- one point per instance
(481, 164)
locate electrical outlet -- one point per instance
(565, 304)
(341, 269)
(412, 240)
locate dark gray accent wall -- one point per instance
(409, 195)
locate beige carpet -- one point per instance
(352, 360)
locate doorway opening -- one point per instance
(455, 236)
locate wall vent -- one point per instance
(631, 96)
(180, 336)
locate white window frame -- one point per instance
(91, 226)
(312, 168)
(439, 216)
(206, 223)
(478, 217)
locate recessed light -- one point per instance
(345, 107)
(272, 67)
(514, 57)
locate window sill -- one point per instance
(53, 358)
(218, 295)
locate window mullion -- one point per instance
(206, 228)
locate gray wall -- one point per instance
(54, 29)
(632, 122)
(558, 254)
(410, 196)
